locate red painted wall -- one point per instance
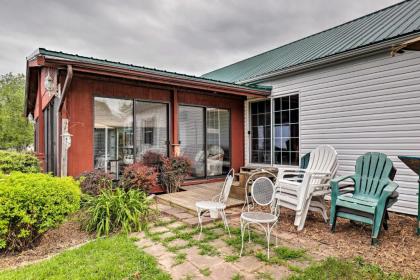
(79, 110)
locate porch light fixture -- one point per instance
(31, 119)
(49, 83)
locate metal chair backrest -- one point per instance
(262, 191)
(224, 194)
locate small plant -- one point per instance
(264, 276)
(207, 249)
(173, 172)
(231, 258)
(205, 271)
(115, 210)
(31, 204)
(237, 276)
(285, 253)
(93, 182)
(21, 162)
(180, 258)
(139, 176)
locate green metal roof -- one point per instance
(104, 62)
(389, 23)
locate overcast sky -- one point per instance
(188, 36)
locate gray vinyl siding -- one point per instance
(369, 104)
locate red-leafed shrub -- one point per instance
(152, 159)
(173, 172)
(93, 182)
(139, 176)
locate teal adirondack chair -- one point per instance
(373, 192)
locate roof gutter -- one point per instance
(67, 82)
(333, 58)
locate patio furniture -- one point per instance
(262, 194)
(217, 205)
(371, 196)
(414, 164)
(304, 189)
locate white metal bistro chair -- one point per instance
(262, 194)
(217, 205)
(307, 189)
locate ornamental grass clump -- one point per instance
(31, 204)
(15, 161)
(115, 210)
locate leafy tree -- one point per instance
(15, 131)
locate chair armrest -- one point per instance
(388, 191)
(335, 190)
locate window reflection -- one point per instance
(113, 134)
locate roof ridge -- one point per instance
(46, 51)
(309, 36)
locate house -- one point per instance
(355, 86)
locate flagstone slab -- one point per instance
(224, 271)
(160, 229)
(248, 264)
(156, 250)
(144, 243)
(182, 271)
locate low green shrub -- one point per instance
(31, 204)
(14, 161)
(115, 210)
(93, 182)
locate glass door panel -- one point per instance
(218, 141)
(192, 138)
(151, 128)
(113, 134)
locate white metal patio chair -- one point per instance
(217, 205)
(313, 183)
(262, 194)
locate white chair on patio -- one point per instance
(217, 205)
(262, 194)
(306, 188)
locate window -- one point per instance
(120, 140)
(261, 132)
(113, 134)
(285, 127)
(151, 128)
(204, 135)
(49, 138)
(286, 130)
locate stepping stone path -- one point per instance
(183, 256)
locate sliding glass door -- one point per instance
(113, 134)
(204, 135)
(192, 139)
(151, 128)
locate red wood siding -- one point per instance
(78, 108)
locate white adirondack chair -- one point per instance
(307, 189)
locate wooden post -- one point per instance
(175, 149)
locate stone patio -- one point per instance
(177, 249)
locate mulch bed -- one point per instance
(398, 249)
(66, 236)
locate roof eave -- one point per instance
(99, 69)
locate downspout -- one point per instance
(62, 126)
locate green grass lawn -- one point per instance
(332, 268)
(109, 258)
